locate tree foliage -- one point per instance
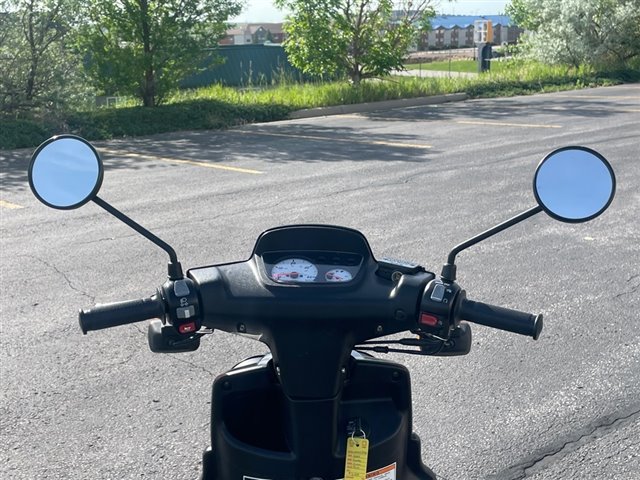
(37, 67)
(145, 47)
(597, 32)
(357, 38)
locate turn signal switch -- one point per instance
(182, 305)
(437, 308)
(178, 330)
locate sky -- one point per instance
(264, 11)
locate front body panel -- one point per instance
(259, 432)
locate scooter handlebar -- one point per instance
(503, 318)
(121, 313)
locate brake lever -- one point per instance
(385, 349)
(459, 343)
(164, 338)
(424, 344)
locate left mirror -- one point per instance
(65, 172)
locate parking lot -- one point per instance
(416, 181)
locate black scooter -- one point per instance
(319, 406)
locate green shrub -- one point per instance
(218, 107)
(22, 133)
(189, 115)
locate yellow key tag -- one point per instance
(355, 467)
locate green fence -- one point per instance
(244, 65)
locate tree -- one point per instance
(358, 38)
(145, 47)
(37, 66)
(575, 32)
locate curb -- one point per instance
(374, 106)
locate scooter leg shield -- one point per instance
(253, 434)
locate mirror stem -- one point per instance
(449, 269)
(174, 268)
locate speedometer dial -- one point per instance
(294, 270)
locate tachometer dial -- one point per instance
(294, 270)
(338, 275)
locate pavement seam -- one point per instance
(534, 465)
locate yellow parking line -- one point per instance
(612, 107)
(9, 205)
(184, 162)
(342, 140)
(501, 124)
(602, 97)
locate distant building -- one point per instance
(447, 31)
(456, 31)
(253, 34)
(238, 35)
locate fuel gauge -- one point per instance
(338, 275)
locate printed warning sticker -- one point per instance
(384, 473)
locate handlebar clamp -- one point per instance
(182, 305)
(438, 308)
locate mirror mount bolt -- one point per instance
(448, 273)
(174, 271)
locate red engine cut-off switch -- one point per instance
(428, 320)
(187, 327)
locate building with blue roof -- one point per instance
(456, 31)
(464, 21)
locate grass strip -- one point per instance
(218, 107)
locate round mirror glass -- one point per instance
(574, 184)
(65, 172)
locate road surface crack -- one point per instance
(64, 276)
(192, 364)
(537, 463)
(633, 290)
(395, 183)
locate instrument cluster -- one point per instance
(311, 266)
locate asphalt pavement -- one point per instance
(416, 181)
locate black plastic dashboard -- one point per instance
(317, 317)
(312, 254)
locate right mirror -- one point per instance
(574, 184)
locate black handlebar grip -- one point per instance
(502, 318)
(120, 313)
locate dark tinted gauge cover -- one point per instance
(313, 238)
